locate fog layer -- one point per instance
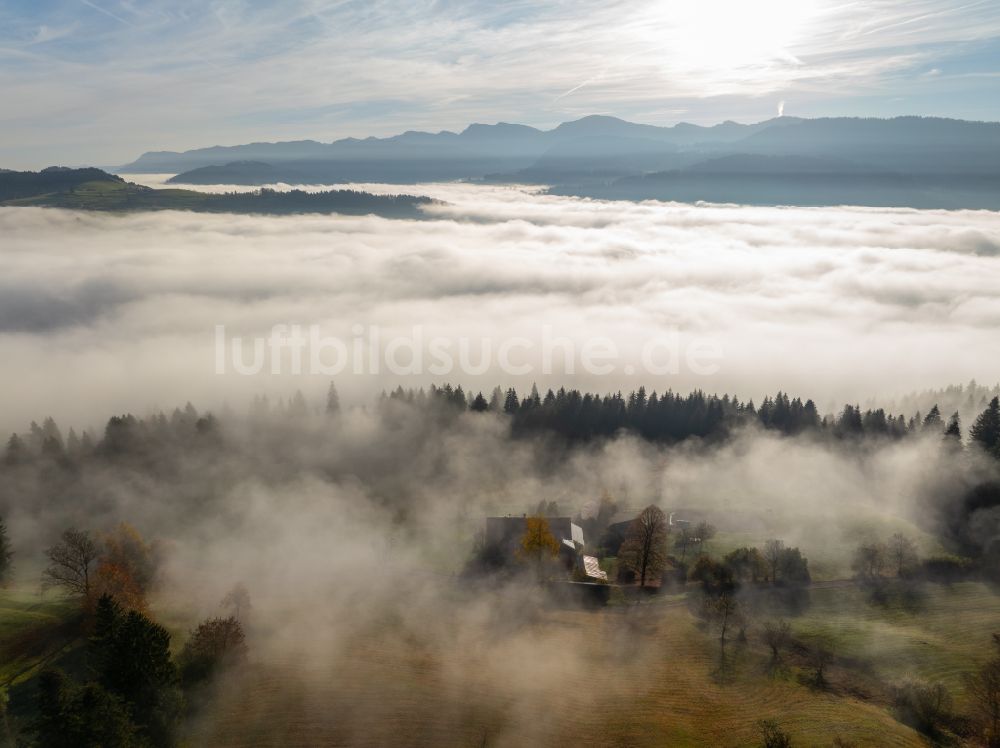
(102, 313)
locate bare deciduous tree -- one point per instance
(70, 563)
(820, 657)
(704, 532)
(726, 613)
(773, 550)
(869, 561)
(777, 635)
(683, 541)
(645, 547)
(902, 553)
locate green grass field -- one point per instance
(628, 675)
(944, 637)
(33, 631)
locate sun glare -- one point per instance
(728, 34)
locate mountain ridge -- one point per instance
(907, 161)
(477, 131)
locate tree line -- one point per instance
(571, 414)
(672, 417)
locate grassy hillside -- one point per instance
(942, 635)
(96, 190)
(628, 675)
(33, 630)
(35, 633)
(643, 675)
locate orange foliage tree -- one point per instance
(126, 568)
(538, 544)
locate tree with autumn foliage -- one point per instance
(538, 544)
(127, 567)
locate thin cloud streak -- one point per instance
(194, 75)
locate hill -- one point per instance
(17, 185)
(237, 172)
(93, 189)
(645, 675)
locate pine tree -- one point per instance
(954, 430)
(131, 656)
(496, 400)
(16, 450)
(511, 403)
(986, 430)
(932, 421)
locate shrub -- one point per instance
(948, 568)
(772, 736)
(217, 643)
(926, 707)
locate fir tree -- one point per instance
(986, 430)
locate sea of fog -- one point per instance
(104, 313)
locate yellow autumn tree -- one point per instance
(538, 544)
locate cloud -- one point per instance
(833, 304)
(49, 33)
(194, 74)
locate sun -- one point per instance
(727, 35)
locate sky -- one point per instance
(101, 81)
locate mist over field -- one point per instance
(353, 535)
(871, 303)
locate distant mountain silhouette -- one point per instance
(916, 161)
(796, 181)
(744, 163)
(496, 145)
(912, 145)
(238, 172)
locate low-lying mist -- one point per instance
(102, 313)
